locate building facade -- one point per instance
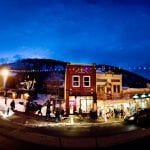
(108, 85)
(110, 93)
(80, 88)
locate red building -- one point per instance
(80, 88)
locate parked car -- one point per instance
(141, 118)
(32, 106)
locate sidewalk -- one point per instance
(35, 120)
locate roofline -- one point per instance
(79, 64)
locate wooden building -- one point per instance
(109, 85)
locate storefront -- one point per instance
(83, 102)
(141, 101)
(80, 88)
(111, 105)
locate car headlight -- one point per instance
(132, 118)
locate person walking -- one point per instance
(80, 114)
(48, 109)
(12, 105)
(57, 114)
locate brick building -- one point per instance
(80, 88)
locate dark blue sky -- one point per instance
(114, 32)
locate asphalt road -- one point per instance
(9, 143)
(15, 136)
(70, 130)
(139, 144)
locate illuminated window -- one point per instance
(76, 81)
(86, 81)
(115, 88)
(102, 89)
(118, 88)
(101, 80)
(115, 80)
(98, 88)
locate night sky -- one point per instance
(113, 32)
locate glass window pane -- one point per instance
(86, 81)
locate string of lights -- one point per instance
(103, 68)
(34, 70)
(125, 68)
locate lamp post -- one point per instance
(5, 73)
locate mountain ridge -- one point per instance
(130, 79)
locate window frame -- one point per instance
(73, 81)
(87, 81)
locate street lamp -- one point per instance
(5, 73)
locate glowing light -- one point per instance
(26, 96)
(143, 96)
(14, 95)
(132, 118)
(135, 96)
(5, 115)
(71, 119)
(4, 73)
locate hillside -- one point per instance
(38, 64)
(41, 69)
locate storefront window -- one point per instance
(143, 103)
(85, 103)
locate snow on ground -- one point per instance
(20, 105)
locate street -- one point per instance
(142, 143)
(81, 129)
(9, 143)
(29, 132)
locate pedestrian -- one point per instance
(12, 105)
(57, 114)
(48, 109)
(40, 111)
(80, 113)
(62, 114)
(100, 113)
(8, 111)
(122, 113)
